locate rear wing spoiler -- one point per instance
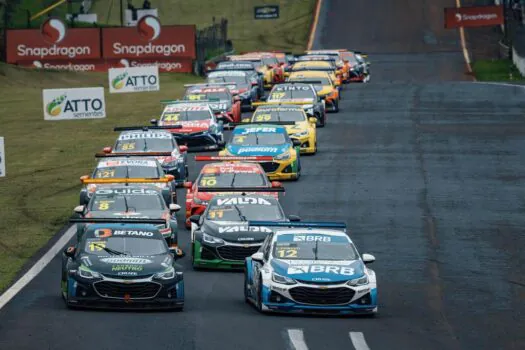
(124, 180)
(234, 158)
(208, 85)
(241, 189)
(219, 69)
(169, 102)
(314, 69)
(303, 224)
(146, 128)
(133, 154)
(276, 123)
(308, 82)
(117, 221)
(282, 102)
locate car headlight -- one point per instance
(167, 274)
(301, 133)
(283, 156)
(210, 239)
(85, 272)
(199, 201)
(282, 279)
(361, 281)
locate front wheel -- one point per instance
(322, 121)
(259, 296)
(335, 106)
(246, 296)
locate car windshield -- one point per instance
(237, 79)
(144, 145)
(208, 95)
(244, 209)
(127, 171)
(232, 180)
(126, 203)
(275, 115)
(129, 246)
(290, 93)
(322, 80)
(310, 66)
(314, 247)
(259, 138)
(182, 116)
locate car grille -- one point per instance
(118, 290)
(270, 167)
(321, 283)
(231, 252)
(317, 296)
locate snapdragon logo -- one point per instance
(149, 28)
(53, 30)
(65, 66)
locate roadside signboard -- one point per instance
(266, 12)
(134, 79)
(476, 16)
(80, 103)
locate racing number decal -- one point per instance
(106, 174)
(239, 139)
(287, 252)
(104, 205)
(216, 214)
(171, 117)
(278, 95)
(263, 117)
(128, 146)
(208, 181)
(196, 97)
(97, 246)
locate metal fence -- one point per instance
(211, 41)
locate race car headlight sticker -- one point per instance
(166, 275)
(212, 240)
(361, 281)
(301, 133)
(282, 279)
(283, 156)
(84, 272)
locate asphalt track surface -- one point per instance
(428, 172)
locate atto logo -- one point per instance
(149, 28)
(53, 30)
(54, 108)
(120, 81)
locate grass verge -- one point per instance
(496, 70)
(44, 159)
(289, 33)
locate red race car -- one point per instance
(231, 172)
(223, 102)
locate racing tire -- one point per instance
(246, 298)
(258, 298)
(335, 107)
(195, 267)
(186, 173)
(174, 197)
(322, 121)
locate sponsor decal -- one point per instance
(80, 103)
(259, 129)
(124, 191)
(242, 201)
(292, 88)
(476, 16)
(258, 149)
(337, 270)
(2, 157)
(185, 107)
(235, 229)
(127, 267)
(126, 162)
(226, 74)
(217, 106)
(126, 260)
(144, 135)
(133, 233)
(127, 273)
(311, 238)
(133, 79)
(102, 233)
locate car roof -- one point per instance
(306, 231)
(240, 128)
(89, 233)
(129, 186)
(309, 74)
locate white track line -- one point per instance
(313, 29)
(358, 340)
(297, 339)
(464, 48)
(37, 267)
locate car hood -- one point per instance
(190, 126)
(207, 196)
(319, 270)
(143, 214)
(272, 150)
(127, 266)
(298, 127)
(235, 231)
(220, 106)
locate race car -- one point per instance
(229, 174)
(245, 87)
(193, 124)
(293, 117)
(359, 67)
(150, 141)
(247, 67)
(301, 93)
(267, 64)
(122, 263)
(320, 58)
(133, 201)
(222, 102)
(121, 169)
(221, 238)
(319, 66)
(342, 65)
(267, 140)
(323, 84)
(307, 267)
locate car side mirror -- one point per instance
(195, 219)
(296, 143)
(79, 209)
(169, 177)
(258, 256)
(70, 251)
(154, 121)
(187, 184)
(106, 149)
(368, 258)
(174, 208)
(177, 253)
(312, 120)
(294, 218)
(183, 149)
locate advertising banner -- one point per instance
(2, 157)
(133, 79)
(53, 41)
(81, 103)
(149, 39)
(266, 12)
(474, 16)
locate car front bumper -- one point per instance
(282, 169)
(202, 141)
(211, 256)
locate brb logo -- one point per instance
(53, 30)
(149, 28)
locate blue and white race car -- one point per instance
(310, 268)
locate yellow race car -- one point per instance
(267, 65)
(318, 66)
(293, 117)
(323, 84)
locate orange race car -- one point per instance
(267, 64)
(232, 172)
(343, 67)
